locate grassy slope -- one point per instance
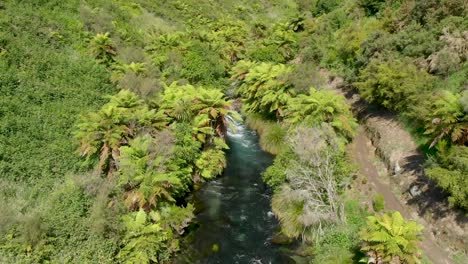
(47, 79)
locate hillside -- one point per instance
(113, 112)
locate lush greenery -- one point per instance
(389, 238)
(407, 56)
(143, 148)
(111, 112)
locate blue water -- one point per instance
(237, 215)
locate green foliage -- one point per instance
(38, 103)
(272, 134)
(450, 173)
(351, 38)
(102, 133)
(378, 202)
(103, 49)
(306, 75)
(393, 84)
(200, 64)
(266, 53)
(389, 237)
(339, 244)
(321, 107)
(177, 217)
(275, 175)
(186, 152)
(208, 109)
(272, 140)
(143, 172)
(263, 86)
(372, 7)
(145, 240)
(447, 120)
(280, 45)
(211, 163)
(33, 235)
(320, 7)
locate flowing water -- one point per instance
(236, 224)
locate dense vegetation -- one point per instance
(112, 111)
(409, 57)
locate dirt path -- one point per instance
(363, 154)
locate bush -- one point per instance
(319, 7)
(390, 238)
(200, 64)
(305, 75)
(268, 53)
(371, 7)
(339, 245)
(394, 84)
(272, 140)
(378, 202)
(275, 175)
(450, 174)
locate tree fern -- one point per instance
(145, 176)
(103, 49)
(262, 86)
(447, 120)
(389, 237)
(144, 241)
(102, 133)
(321, 107)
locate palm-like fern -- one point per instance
(102, 48)
(144, 175)
(389, 237)
(119, 70)
(321, 107)
(262, 86)
(201, 126)
(144, 241)
(102, 133)
(206, 108)
(211, 163)
(448, 120)
(213, 103)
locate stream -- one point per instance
(236, 224)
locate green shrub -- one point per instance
(319, 7)
(394, 84)
(275, 175)
(268, 53)
(378, 202)
(200, 64)
(450, 174)
(372, 7)
(273, 138)
(319, 107)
